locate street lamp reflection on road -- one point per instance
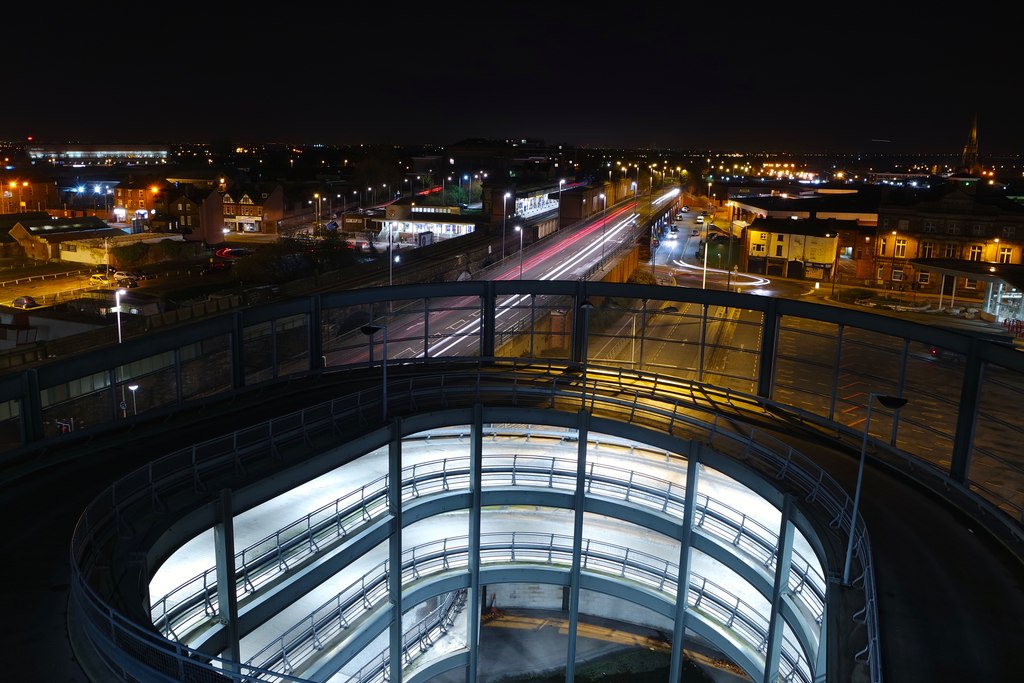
(369, 330)
(135, 406)
(893, 403)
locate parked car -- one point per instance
(700, 219)
(140, 274)
(101, 280)
(126, 282)
(24, 302)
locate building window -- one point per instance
(923, 277)
(929, 226)
(880, 274)
(978, 230)
(950, 250)
(897, 274)
(881, 247)
(757, 248)
(1008, 230)
(900, 248)
(970, 284)
(778, 250)
(952, 228)
(975, 254)
(1005, 254)
(927, 249)
(902, 224)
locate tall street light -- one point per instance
(704, 277)
(316, 219)
(117, 307)
(504, 215)
(519, 229)
(561, 182)
(585, 309)
(893, 403)
(369, 330)
(604, 223)
(391, 255)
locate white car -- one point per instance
(700, 219)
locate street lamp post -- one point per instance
(561, 182)
(117, 307)
(519, 229)
(893, 403)
(316, 219)
(504, 215)
(392, 257)
(135, 406)
(585, 309)
(604, 223)
(369, 330)
(704, 277)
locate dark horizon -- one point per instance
(660, 79)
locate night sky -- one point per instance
(797, 77)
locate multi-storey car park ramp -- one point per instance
(661, 391)
(620, 525)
